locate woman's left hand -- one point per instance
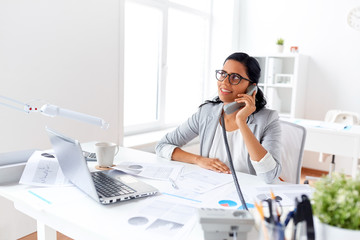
(248, 109)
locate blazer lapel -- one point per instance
(252, 125)
(212, 121)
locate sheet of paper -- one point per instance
(151, 170)
(42, 169)
(164, 219)
(195, 187)
(186, 197)
(202, 180)
(287, 192)
(227, 198)
(321, 124)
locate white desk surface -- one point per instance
(87, 219)
(332, 138)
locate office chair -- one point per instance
(293, 141)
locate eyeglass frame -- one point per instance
(229, 76)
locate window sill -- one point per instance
(148, 141)
(145, 141)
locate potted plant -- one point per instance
(280, 45)
(336, 206)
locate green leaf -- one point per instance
(336, 201)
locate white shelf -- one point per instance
(283, 81)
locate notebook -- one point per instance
(105, 187)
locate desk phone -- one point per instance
(226, 224)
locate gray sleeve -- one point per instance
(271, 141)
(179, 137)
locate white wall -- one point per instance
(67, 53)
(319, 28)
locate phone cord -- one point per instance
(233, 173)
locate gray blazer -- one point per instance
(264, 125)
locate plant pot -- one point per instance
(328, 232)
(280, 48)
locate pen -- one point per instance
(261, 212)
(289, 217)
(273, 198)
(173, 183)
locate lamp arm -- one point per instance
(25, 108)
(53, 111)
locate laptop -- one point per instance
(105, 187)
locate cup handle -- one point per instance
(117, 150)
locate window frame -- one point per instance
(164, 6)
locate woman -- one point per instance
(253, 131)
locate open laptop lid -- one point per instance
(72, 162)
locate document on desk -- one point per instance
(151, 170)
(321, 124)
(229, 198)
(202, 180)
(42, 169)
(226, 197)
(161, 218)
(194, 186)
(287, 192)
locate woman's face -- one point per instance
(228, 92)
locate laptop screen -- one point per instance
(72, 162)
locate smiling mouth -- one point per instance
(224, 90)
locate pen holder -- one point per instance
(271, 231)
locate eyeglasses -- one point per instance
(234, 78)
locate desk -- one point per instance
(87, 219)
(332, 139)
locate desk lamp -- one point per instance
(12, 164)
(53, 111)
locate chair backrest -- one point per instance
(338, 116)
(293, 141)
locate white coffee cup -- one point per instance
(105, 153)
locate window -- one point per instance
(168, 47)
(142, 56)
(187, 48)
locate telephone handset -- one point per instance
(232, 107)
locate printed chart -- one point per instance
(231, 203)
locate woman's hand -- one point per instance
(208, 163)
(248, 109)
(213, 164)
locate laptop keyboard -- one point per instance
(108, 186)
